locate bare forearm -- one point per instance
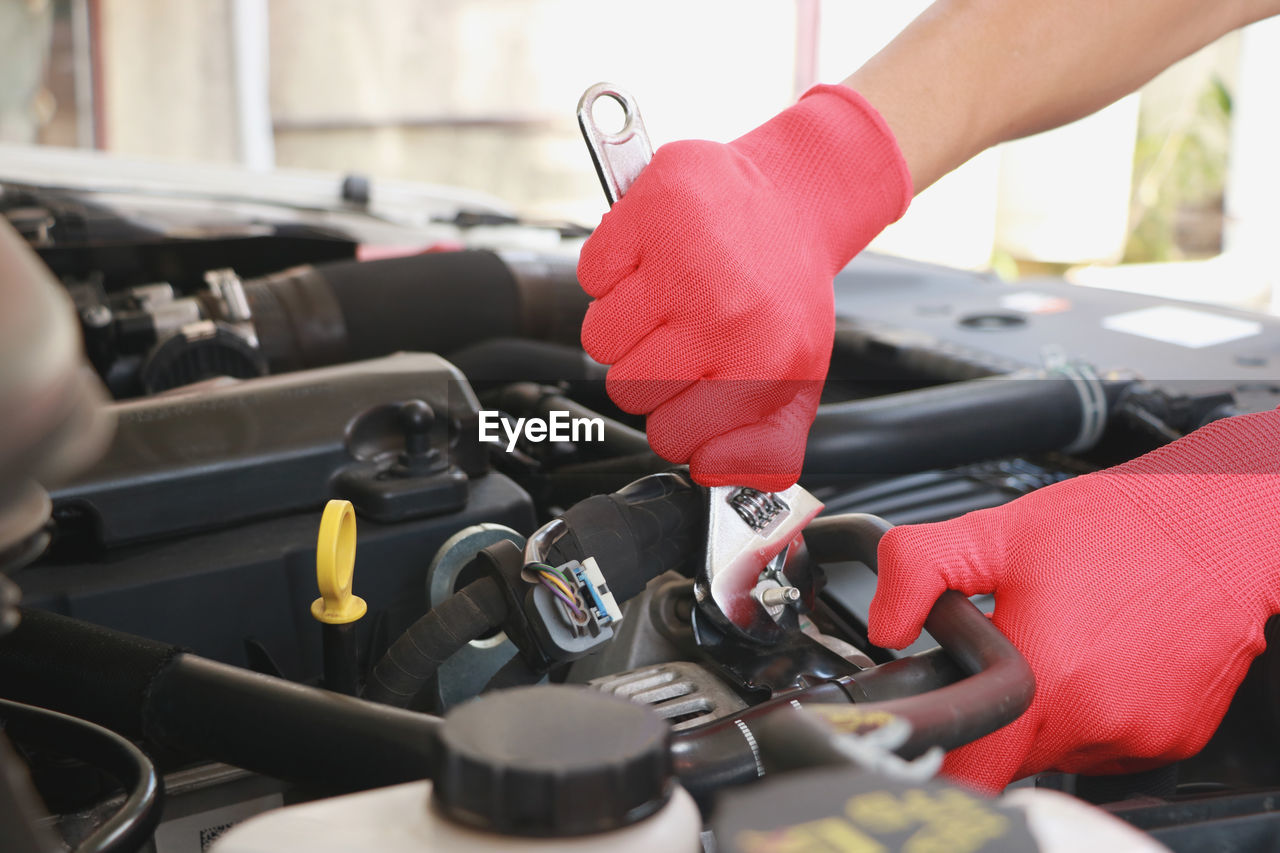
(968, 74)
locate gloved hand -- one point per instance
(1138, 594)
(712, 280)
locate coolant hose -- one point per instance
(438, 302)
(981, 419)
(203, 709)
(999, 687)
(413, 659)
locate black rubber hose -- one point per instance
(505, 360)
(726, 753)
(524, 399)
(983, 419)
(999, 687)
(319, 739)
(437, 302)
(131, 825)
(204, 709)
(414, 658)
(569, 484)
(909, 676)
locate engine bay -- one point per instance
(321, 523)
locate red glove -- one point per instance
(712, 279)
(1138, 594)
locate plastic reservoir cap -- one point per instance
(336, 565)
(552, 761)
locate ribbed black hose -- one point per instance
(981, 419)
(414, 658)
(350, 310)
(129, 827)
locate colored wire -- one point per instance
(555, 579)
(566, 599)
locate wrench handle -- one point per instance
(618, 157)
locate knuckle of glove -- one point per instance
(607, 256)
(606, 334)
(672, 441)
(715, 466)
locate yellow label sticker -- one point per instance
(945, 821)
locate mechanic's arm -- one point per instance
(968, 74)
(712, 277)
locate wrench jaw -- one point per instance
(750, 536)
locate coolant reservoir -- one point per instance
(399, 820)
(537, 768)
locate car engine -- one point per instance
(296, 540)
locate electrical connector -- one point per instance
(569, 627)
(592, 580)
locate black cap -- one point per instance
(552, 761)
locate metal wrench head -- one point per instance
(619, 157)
(748, 536)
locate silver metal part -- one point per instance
(151, 296)
(619, 157)
(169, 317)
(740, 549)
(232, 303)
(848, 651)
(779, 596)
(229, 291)
(467, 672)
(756, 508)
(687, 694)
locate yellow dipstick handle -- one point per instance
(335, 566)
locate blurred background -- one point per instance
(1174, 190)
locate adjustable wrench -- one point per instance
(741, 584)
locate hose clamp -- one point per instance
(1093, 398)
